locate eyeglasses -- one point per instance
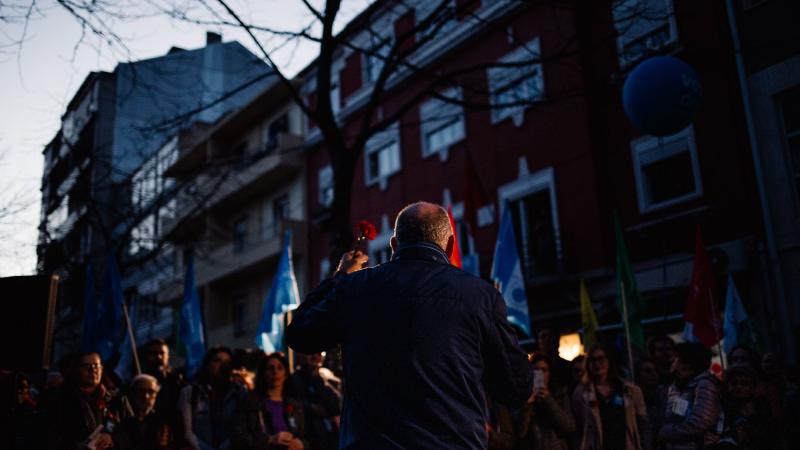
(92, 366)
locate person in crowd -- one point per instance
(655, 395)
(500, 427)
(85, 413)
(272, 416)
(610, 412)
(692, 417)
(155, 362)
(578, 366)
(545, 422)
(547, 341)
(781, 395)
(662, 351)
(209, 403)
(144, 430)
(420, 340)
(747, 420)
(321, 400)
(741, 355)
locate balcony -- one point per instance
(227, 191)
(255, 258)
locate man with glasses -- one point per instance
(86, 413)
(143, 430)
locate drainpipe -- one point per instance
(772, 250)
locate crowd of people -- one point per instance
(246, 399)
(677, 402)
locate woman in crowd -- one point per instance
(741, 355)
(545, 422)
(692, 418)
(208, 404)
(648, 378)
(271, 417)
(610, 412)
(747, 420)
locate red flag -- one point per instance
(701, 308)
(455, 258)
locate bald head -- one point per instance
(423, 222)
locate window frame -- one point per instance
(529, 184)
(622, 42)
(499, 84)
(378, 142)
(436, 115)
(651, 143)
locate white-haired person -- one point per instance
(144, 430)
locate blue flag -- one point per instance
(89, 312)
(507, 274)
(737, 327)
(282, 296)
(190, 327)
(107, 326)
(125, 363)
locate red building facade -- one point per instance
(565, 160)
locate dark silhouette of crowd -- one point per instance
(246, 399)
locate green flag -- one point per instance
(627, 281)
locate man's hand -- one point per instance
(282, 438)
(351, 262)
(296, 444)
(103, 442)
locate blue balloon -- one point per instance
(662, 95)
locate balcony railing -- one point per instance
(235, 185)
(236, 258)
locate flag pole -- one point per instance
(716, 328)
(289, 351)
(131, 338)
(627, 330)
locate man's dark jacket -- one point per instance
(420, 341)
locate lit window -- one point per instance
(514, 88)
(666, 170)
(325, 192)
(643, 27)
(442, 123)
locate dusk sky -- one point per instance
(39, 77)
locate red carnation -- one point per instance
(289, 408)
(367, 231)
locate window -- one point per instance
(280, 212)
(239, 235)
(144, 235)
(238, 314)
(275, 128)
(442, 21)
(532, 202)
(514, 88)
(790, 110)
(442, 123)
(380, 255)
(533, 224)
(378, 50)
(325, 192)
(643, 27)
(336, 100)
(666, 170)
(382, 157)
(383, 161)
(324, 268)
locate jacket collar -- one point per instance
(424, 251)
